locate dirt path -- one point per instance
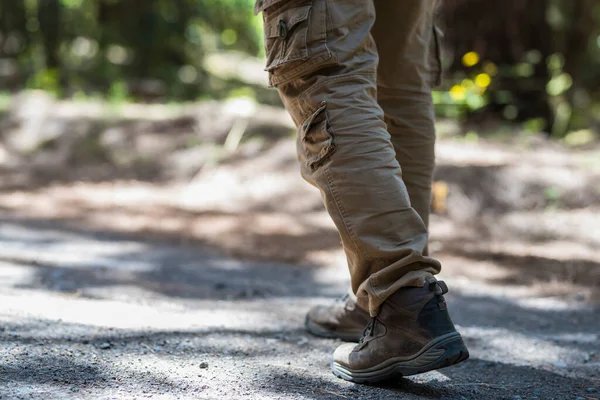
(132, 266)
(91, 315)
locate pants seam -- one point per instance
(343, 214)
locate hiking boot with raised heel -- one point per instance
(412, 334)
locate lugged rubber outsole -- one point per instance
(440, 353)
(316, 330)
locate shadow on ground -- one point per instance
(214, 326)
(72, 261)
(285, 367)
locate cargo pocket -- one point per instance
(315, 139)
(295, 38)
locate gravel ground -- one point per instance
(89, 315)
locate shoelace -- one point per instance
(369, 330)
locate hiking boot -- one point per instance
(343, 319)
(411, 334)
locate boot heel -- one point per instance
(455, 351)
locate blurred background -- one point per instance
(152, 91)
(532, 63)
(139, 136)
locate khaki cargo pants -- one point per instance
(356, 77)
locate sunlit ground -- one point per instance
(120, 283)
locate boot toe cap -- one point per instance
(341, 355)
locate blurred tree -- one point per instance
(49, 20)
(535, 62)
(544, 55)
(156, 47)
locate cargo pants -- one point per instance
(356, 77)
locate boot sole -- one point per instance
(320, 331)
(441, 352)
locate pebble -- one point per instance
(105, 346)
(560, 364)
(591, 390)
(203, 365)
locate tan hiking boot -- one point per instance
(412, 334)
(343, 320)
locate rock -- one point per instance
(559, 364)
(591, 390)
(203, 365)
(105, 346)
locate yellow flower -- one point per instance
(483, 80)
(458, 93)
(470, 59)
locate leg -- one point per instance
(323, 61)
(413, 332)
(409, 66)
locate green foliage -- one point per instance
(5, 100)
(46, 79)
(544, 63)
(150, 49)
(541, 70)
(118, 92)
